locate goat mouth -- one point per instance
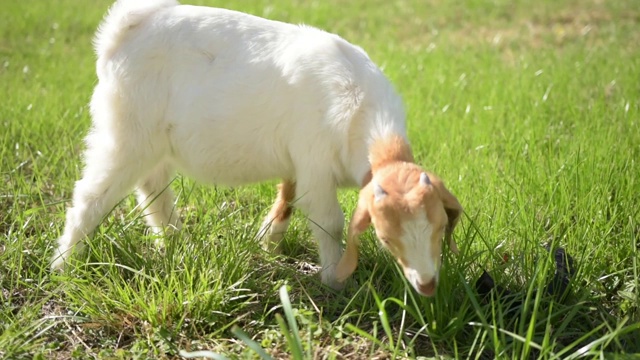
(427, 289)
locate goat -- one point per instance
(230, 98)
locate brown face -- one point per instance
(412, 224)
(411, 212)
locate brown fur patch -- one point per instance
(282, 209)
(389, 150)
(359, 223)
(367, 179)
(452, 208)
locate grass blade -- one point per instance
(295, 343)
(250, 343)
(202, 354)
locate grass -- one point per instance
(529, 110)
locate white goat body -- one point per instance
(228, 98)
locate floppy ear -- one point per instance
(359, 223)
(453, 209)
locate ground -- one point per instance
(528, 110)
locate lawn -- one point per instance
(529, 110)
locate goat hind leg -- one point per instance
(108, 176)
(156, 199)
(277, 221)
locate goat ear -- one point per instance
(349, 261)
(453, 209)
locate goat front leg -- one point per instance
(318, 200)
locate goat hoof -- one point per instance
(333, 283)
(57, 264)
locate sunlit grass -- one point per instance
(529, 111)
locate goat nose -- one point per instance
(427, 289)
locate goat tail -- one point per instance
(123, 16)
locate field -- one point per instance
(529, 110)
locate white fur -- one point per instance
(416, 235)
(273, 231)
(227, 98)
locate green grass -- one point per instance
(529, 110)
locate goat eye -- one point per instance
(385, 241)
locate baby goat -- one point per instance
(230, 98)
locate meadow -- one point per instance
(529, 111)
